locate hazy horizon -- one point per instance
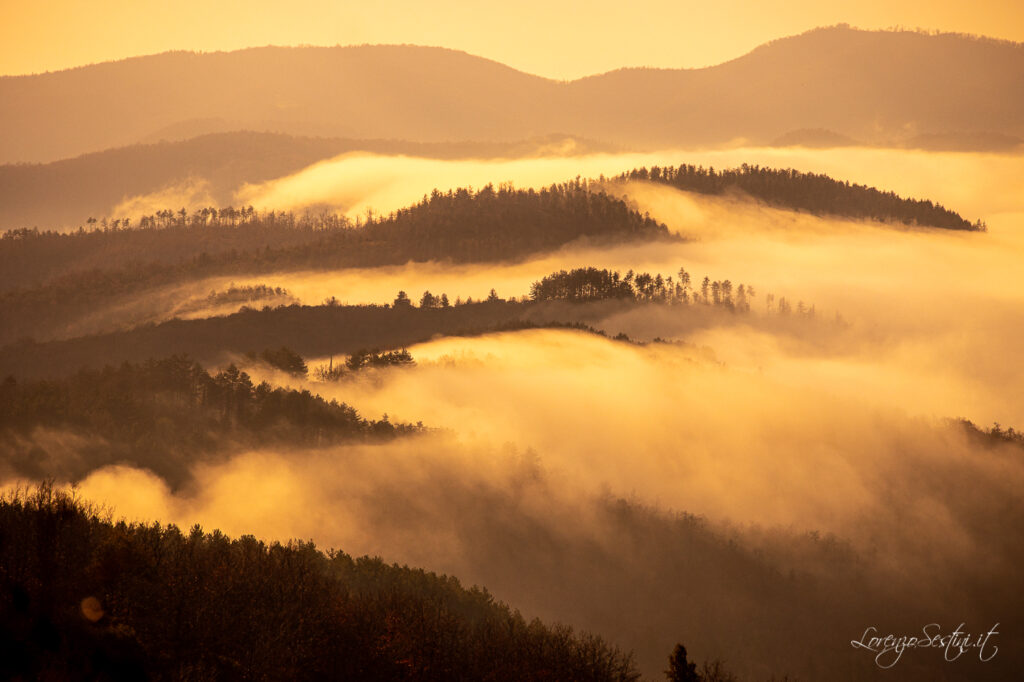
(581, 76)
(606, 37)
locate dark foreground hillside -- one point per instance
(82, 598)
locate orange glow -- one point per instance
(559, 40)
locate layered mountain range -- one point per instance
(871, 87)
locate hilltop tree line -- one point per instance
(83, 598)
(581, 285)
(283, 359)
(498, 224)
(30, 256)
(461, 225)
(591, 284)
(364, 359)
(815, 193)
(162, 415)
(65, 192)
(993, 436)
(332, 328)
(245, 295)
(312, 331)
(429, 300)
(51, 278)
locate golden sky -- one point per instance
(566, 39)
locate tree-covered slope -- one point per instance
(163, 415)
(462, 226)
(815, 193)
(459, 225)
(83, 598)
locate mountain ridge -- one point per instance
(768, 44)
(878, 87)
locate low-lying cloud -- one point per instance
(772, 428)
(977, 185)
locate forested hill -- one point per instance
(82, 598)
(459, 225)
(163, 415)
(584, 295)
(818, 194)
(312, 331)
(215, 166)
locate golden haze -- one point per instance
(558, 40)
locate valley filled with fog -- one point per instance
(323, 360)
(716, 469)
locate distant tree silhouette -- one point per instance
(591, 284)
(995, 435)
(284, 359)
(375, 358)
(679, 669)
(402, 300)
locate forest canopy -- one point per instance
(462, 225)
(815, 193)
(83, 597)
(581, 295)
(166, 414)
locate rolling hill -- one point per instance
(879, 87)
